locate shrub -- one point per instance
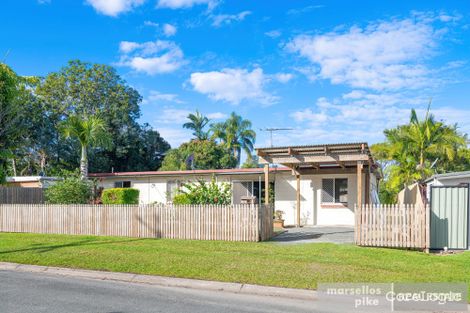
(202, 192)
(71, 190)
(120, 196)
(181, 198)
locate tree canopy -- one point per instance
(90, 131)
(235, 134)
(12, 126)
(84, 89)
(415, 151)
(197, 123)
(198, 154)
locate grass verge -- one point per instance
(267, 263)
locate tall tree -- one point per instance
(89, 131)
(414, 152)
(196, 123)
(11, 124)
(236, 135)
(86, 89)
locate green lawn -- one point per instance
(297, 266)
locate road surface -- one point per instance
(38, 292)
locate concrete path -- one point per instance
(27, 292)
(309, 234)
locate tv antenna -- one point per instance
(6, 56)
(272, 130)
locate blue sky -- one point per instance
(334, 71)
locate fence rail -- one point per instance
(399, 226)
(21, 195)
(199, 222)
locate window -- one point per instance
(251, 189)
(171, 189)
(122, 184)
(335, 190)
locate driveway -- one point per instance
(309, 234)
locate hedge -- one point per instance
(71, 190)
(120, 196)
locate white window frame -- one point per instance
(334, 190)
(120, 184)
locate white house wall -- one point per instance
(311, 210)
(153, 189)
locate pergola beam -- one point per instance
(302, 159)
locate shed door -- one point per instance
(449, 217)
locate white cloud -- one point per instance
(310, 116)
(114, 7)
(156, 96)
(150, 23)
(183, 4)
(273, 33)
(44, 1)
(173, 116)
(363, 116)
(175, 136)
(305, 9)
(152, 57)
(179, 116)
(169, 30)
(284, 77)
(233, 85)
(225, 19)
(217, 115)
(128, 46)
(383, 55)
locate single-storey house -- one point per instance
(313, 185)
(31, 181)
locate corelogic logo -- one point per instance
(385, 297)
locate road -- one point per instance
(38, 292)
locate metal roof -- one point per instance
(347, 144)
(357, 147)
(232, 171)
(449, 175)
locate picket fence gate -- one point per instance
(395, 225)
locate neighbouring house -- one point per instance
(31, 181)
(312, 185)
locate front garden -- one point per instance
(267, 263)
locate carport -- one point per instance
(350, 158)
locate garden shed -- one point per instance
(449, 218)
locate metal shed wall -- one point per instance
(449, 217)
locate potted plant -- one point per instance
(278, 220)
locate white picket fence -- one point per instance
(198, 222)
(398, 226)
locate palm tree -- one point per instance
(90, 131)
(414, 152)
(197, 124)
(428, 138)
(236, 135)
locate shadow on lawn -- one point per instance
(42, 248)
